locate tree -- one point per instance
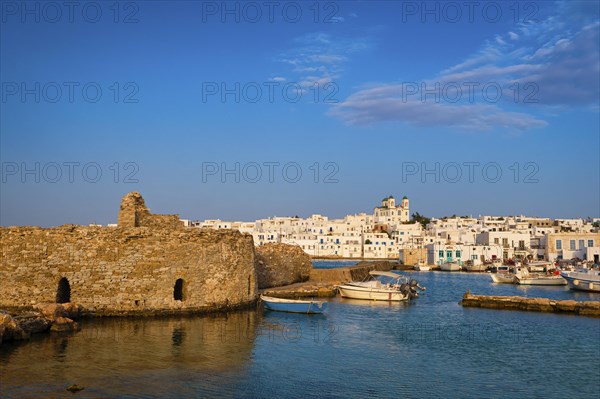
(367, 241)
(417, 217)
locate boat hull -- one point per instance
(421, 268)
(580, 284)
(371, 294)
(476, 268)
(450, 267)
(292, 306)
(548, 281)
(502, 278)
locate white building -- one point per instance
(460, 253)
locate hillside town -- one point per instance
(391, 232)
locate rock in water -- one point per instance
(64, 324)
(75, 388)
(10, 329)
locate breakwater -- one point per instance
(583, 308)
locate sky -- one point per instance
(247, 110)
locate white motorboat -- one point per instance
(504, 275)
(583, 279)
(523, 277)
(383, 286)
(474, 268)
(450, 267)
(503, 278)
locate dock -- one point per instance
(581, 308)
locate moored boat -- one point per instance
(421, 267)
(450, 267)
(503, 278)
(523, 277)
(383, 286)
(469, 267)
(293, 305)
(583, 279)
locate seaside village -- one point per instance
(391, 232)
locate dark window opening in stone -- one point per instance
(249, 280)
(63, 294)
(178, 290)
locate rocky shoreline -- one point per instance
(19, 324)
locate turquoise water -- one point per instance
(431, 347)
(332, 264)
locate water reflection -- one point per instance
(106, 350)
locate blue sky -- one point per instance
(500, 103)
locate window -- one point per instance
(441, 254)
(558, 244)
(63, 293)
(178, 290)
(581, 244)
(474, 257)
(572, 245)
(458, 254)
(496, 241)
(590, 243)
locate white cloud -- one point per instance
(553, 63)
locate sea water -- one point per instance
(430, 347)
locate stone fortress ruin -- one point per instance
(147, 264)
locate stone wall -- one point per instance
(134, 213)
(281, 264)
(123, 270)
(412, 256)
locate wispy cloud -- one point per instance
(319, 58)
(558, 57)
(389, 103)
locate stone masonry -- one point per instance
(148, 264)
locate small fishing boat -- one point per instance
(450, 267)
(470, 267)
(503, 275)
(523, 277)
(503, 278)
(381, 286)
(293, 305)
(583, 279)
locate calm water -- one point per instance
(332, 264)
(430, 348)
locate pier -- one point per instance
(582, 308)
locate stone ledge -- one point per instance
(583, 308)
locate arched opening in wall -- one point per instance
(63, 294)
(178, 290)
